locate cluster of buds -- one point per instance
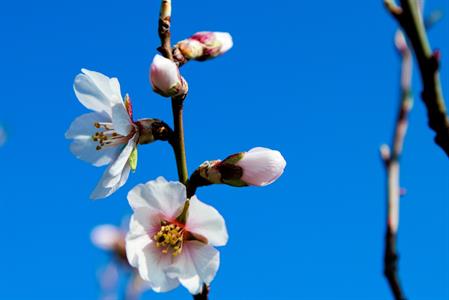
(165, 77)
(202, 46)
(257, 167)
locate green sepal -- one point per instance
(233, 159)
(235, 182)
(133, 160)
(182, 218)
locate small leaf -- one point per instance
(133, 160)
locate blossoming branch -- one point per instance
(172, 234)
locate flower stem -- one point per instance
(178, 141)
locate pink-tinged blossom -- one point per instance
(261, 166)
(169, 244)
(204, 45)
(106, 136)
(112, 239)
(166, 79)
(106, 237)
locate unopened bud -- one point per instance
(257, 167)
(166, 79)
(261, 166)
(202, 46)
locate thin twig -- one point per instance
(164, 29)
(391, 157)
(410, 18)
(177, 102)
(178, 146)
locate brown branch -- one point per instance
(177, 102)
(391, 160)
(178, 145)
(409, 17)
(164, 29)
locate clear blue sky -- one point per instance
(317, 80)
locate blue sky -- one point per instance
(317, 80)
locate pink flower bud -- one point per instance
(106, 237)
(191, 49)
(203, 45)
(261, 166)
(166, 79)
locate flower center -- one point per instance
(169, 237)
(107, 137)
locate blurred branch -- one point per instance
(391, 157)
(410, 19)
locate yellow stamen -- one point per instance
(169, 237)
(106, 136)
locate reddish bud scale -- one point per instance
(129, 107)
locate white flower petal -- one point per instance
(183, 268)
(84, 125)
(205, 258)
(83, 147)
(121, 120)
(136, 240)
(151, 263)
(193, 284)
(205, 220)
(165, 197)
(118, 165)
(115, 89)
(96, 91)
(196, 264)
(101, 191)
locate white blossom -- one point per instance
(107, 135)
(169, 244)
